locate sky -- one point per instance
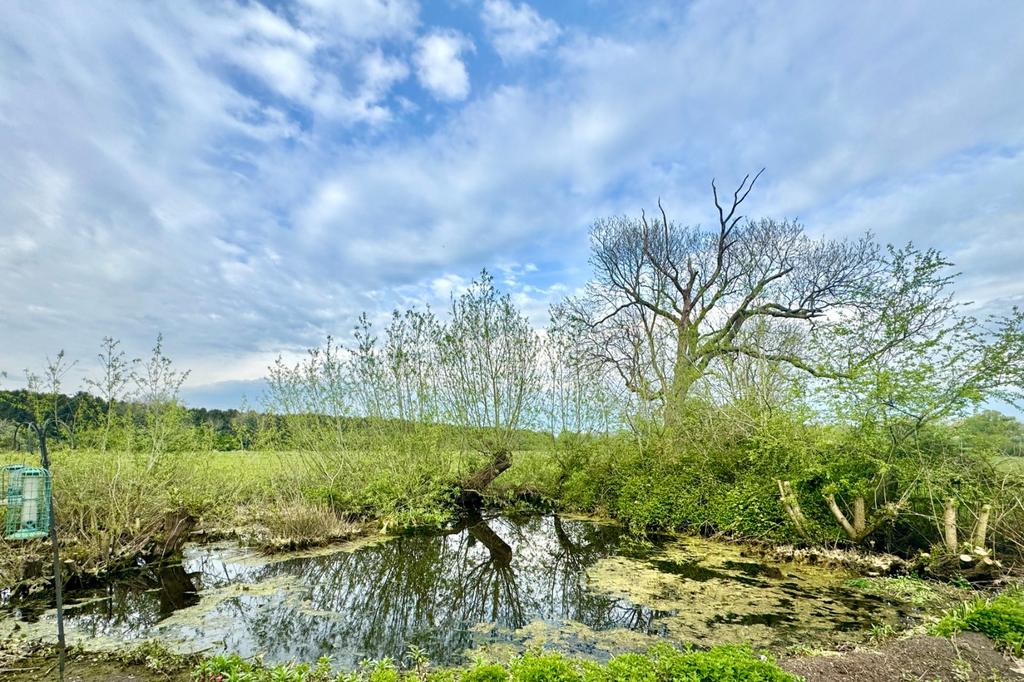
(247, 177)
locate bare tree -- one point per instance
(667, 301)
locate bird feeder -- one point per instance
(28, 493)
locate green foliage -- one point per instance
(990, 430)
(664, 497)
(719, 663)
(234, 668)
(907, 589)
(539, 667)
(662, 663)
(1000, 618)
(629, 667)
(485, 672)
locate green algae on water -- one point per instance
(713, 594)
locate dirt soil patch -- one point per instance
(84, 669)
(968, 656)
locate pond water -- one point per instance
(486, 587)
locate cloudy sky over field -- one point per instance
(247, 177)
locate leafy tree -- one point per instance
(158, 384)
(114, 383)
(994, 431)
(394, 379)
(314, 396)
(489, 374)
(938, 371)
(668, 302)
(578, 398)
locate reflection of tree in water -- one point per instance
(134, 603)
(429, 589)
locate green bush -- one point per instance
(662, 663)
(750, 508)
(532, 667)
(629, 668)
(1001, 619)
(664, 497)
(724, 663)
(485, 672)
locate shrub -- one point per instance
(532, 667)
(485, 673)
(1001, 619)
(662, 663)
(724, 663)
(630, 668)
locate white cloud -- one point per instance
(446, 286)
(302, 62)
(149, 185)
(362, 19)
(439, 64)
(517, 30)
(380, 71)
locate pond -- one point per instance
(485, 587)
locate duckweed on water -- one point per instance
(710, 593)
(501, 646)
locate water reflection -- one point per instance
(472, 585)
(429, 590)
(128, 607)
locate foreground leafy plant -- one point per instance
(1001, 619)
(662, 663)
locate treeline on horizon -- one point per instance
(81, 418)
(82, 415)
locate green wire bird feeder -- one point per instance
(28, 492)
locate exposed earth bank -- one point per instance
(966, 656)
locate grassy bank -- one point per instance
(114, 506)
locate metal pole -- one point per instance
(44, 457)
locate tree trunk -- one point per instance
(949, 525)
(500, 462)
(473, 487)
(792, 507)
(833, 506)
(859, 517)
(981, 530)
(177, 526)
(683, 377)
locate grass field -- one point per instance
(1010, 465)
